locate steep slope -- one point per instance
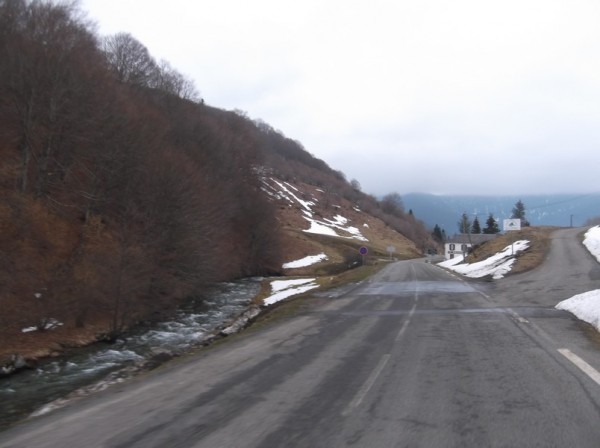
(314, 223)
(124, 193)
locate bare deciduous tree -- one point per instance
(129, 59)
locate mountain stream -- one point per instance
(29, 391)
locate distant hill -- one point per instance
(551, 210)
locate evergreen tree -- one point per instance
(476, 227)
(491, 226)
(464, 225)
(437, 234)
(518, 212)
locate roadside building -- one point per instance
(461, 244)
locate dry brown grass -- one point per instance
(539, 238)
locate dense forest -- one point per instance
(122, 191)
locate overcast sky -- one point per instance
(434, 96)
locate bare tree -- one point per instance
(43, 50)
(129, 59)
(392, 204)
(169, 80)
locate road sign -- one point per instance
(512, 224)
(363, 250)
(391, 250)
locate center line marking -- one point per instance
(406, 322)
(583, 366)
(412, 310)
(366, 387)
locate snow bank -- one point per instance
(306, 261)
(282, 289)
(585, 306)
(497, 265)
(592, 241)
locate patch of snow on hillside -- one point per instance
(357, 235)
(497, 265)
(592, 241)
(50, 324)
(338, 220)
(285, 192)
(320, 229)
(329, 227)
(291, 186)
(282, 289)
(586, 306)
(306, 261)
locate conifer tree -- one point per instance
(464, 225)
(518, 212)
(476, 227)
(437, 234)
(491, 226)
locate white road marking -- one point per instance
(583, 366)
(406, 322)
(412, 310)
(366, 387)
(516, 316)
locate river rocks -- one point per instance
(242, 321)
(158, 357)
(15, 363)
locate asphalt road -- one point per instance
(414, 357)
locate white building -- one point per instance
(460, 245)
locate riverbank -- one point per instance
(26, 348)
(22, 350)
(77, 371)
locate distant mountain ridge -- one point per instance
(553, 209)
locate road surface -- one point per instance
(414, 357)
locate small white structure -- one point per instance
(460, 245)
(512, 224)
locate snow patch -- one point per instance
(592, 241)
(586, 306)
(320, 229)
(497, 265)
(338, 226)
(306, 261)
(50, 324)
(282, 289)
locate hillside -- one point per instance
(123, 193)
(313, 223)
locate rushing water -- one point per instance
(23, 393)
